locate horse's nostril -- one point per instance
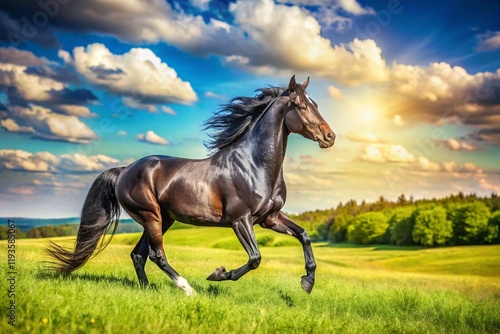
(329, 135)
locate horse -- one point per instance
(240, 184)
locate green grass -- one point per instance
(375, 289)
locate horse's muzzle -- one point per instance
(328, 136)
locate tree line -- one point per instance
(50, 231)
(453, 220)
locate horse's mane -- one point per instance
(234, 117)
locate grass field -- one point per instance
(376, 289)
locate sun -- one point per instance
(368, 114)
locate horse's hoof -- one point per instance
(190, 292)
(219, 274)
(307, 283)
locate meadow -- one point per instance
(369, 289)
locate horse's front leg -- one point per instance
(246, 235)
(283, 224)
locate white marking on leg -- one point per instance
(184, 285)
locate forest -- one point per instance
(456, 219)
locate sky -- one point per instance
(411, 88)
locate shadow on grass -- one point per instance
(213, 290)
(96, 278)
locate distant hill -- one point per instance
(26, 224)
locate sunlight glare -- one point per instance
(368, 115)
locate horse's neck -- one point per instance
(267, 139)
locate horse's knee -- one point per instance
(254, 261)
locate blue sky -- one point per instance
(412, 89)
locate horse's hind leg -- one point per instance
(155, 230)
(139, 257)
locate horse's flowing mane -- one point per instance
(234, 117)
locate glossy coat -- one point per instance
(240, 185)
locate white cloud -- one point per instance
(456, 145)
(26, 161)
(438, 81)
(353, 7)
(489, 41)
(122, 133)
(28, 86)
(139, 73)
(213, 95)
(365, 137)
(135, 104)
(44, 123)
(201, 4)
(398, 121)
(168, 110)
(82, 163)
(19, 160)
(386, 153)
(73, 110)
(332, 13)
(152, 138)
(272, 28)
(335, 93)
(11, 126)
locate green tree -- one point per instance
(401, 226)
(338, 228)
(493, 234)
(470, 222)
(431, 226)
(367, 228)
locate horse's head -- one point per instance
(302, 116)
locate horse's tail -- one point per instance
(100, 214)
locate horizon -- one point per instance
(412, 94)
(125, 216)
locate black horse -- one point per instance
(241, 184)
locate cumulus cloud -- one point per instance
(19, 160)
(25, 79)
(442, 93)
(258, 38)
(153, 138)
(43, 123)
(259, 20)
(138, 73)
(11, 126)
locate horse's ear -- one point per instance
(291, 85)
(304, 85)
